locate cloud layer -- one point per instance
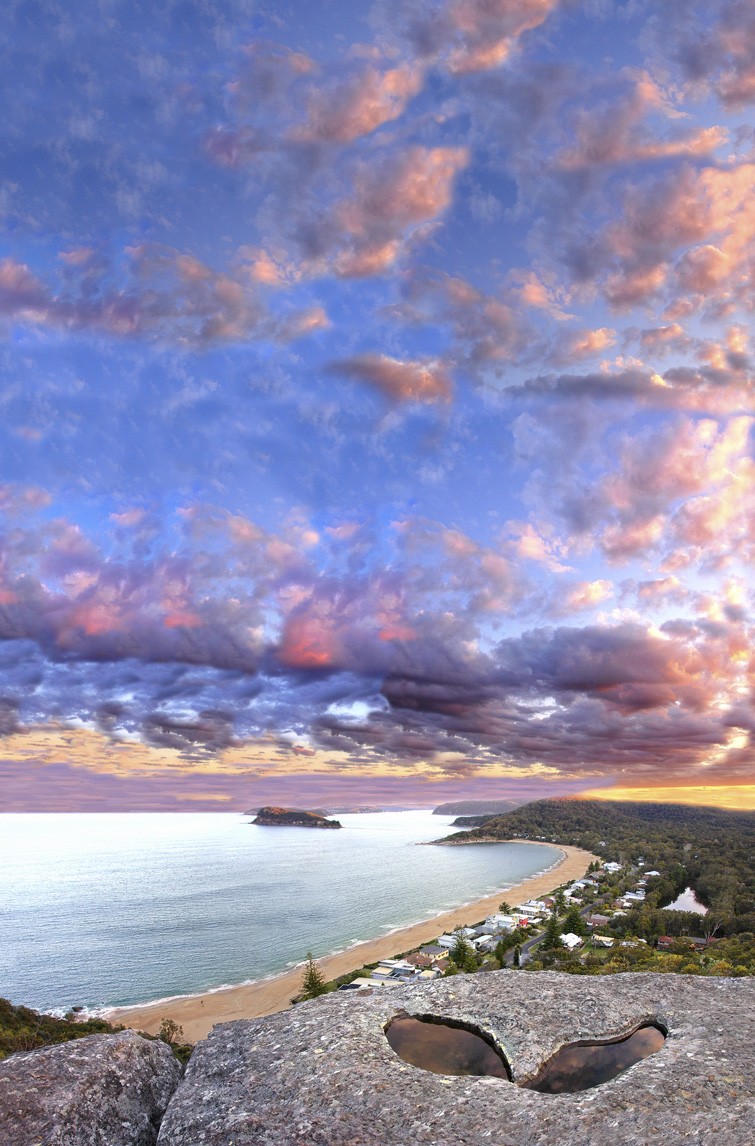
(378, 392)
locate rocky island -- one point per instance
(291, 818)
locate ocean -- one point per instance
(114, 909)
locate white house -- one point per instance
(531, 912)
(393, 969)
(495, 923)
(612, 867)
(570, 940)
(484, 943)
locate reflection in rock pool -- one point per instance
(582, 1065)
(443, 1047)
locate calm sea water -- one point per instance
(100, 910)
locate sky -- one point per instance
(376, 402)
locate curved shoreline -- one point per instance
(197, 1014)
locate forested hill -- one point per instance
(477, 807)
(709, 849)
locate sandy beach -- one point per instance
(197, 1014)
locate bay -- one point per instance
(115, 909)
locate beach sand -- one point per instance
(197, 1014)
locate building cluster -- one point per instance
(432, 960)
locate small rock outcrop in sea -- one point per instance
(292, 818)
(324, 1074)
(103, 1090)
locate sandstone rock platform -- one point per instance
(103, 1090)
(323, 1073)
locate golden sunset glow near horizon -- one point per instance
(377, 404)
(735, 797)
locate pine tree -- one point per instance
(552, 937)
(312, 984)
(574, 922)
(463, 953)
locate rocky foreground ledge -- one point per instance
(104, 1090)
(323, 1073)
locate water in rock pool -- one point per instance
(579, 1067)
(443, 1048)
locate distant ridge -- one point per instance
(477, 807)
(353, 810)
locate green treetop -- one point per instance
(574, 922)
(463, 953)
(552, 937)
(313, 983)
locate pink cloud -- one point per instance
(388, 201)
(581, 344)
(661, 589)
(22, 295)
(346, 108)
(167, 296)
(639, 125)
(587, 594)
(400, 381)
(129, 517)
(357, 219)
(532, 545)
(690, 237)
(283, 99)
(718, 391)
(715, 45)
(661, 339)
(486, 330)
(696, 495)
(331, 623)
(463, 36)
